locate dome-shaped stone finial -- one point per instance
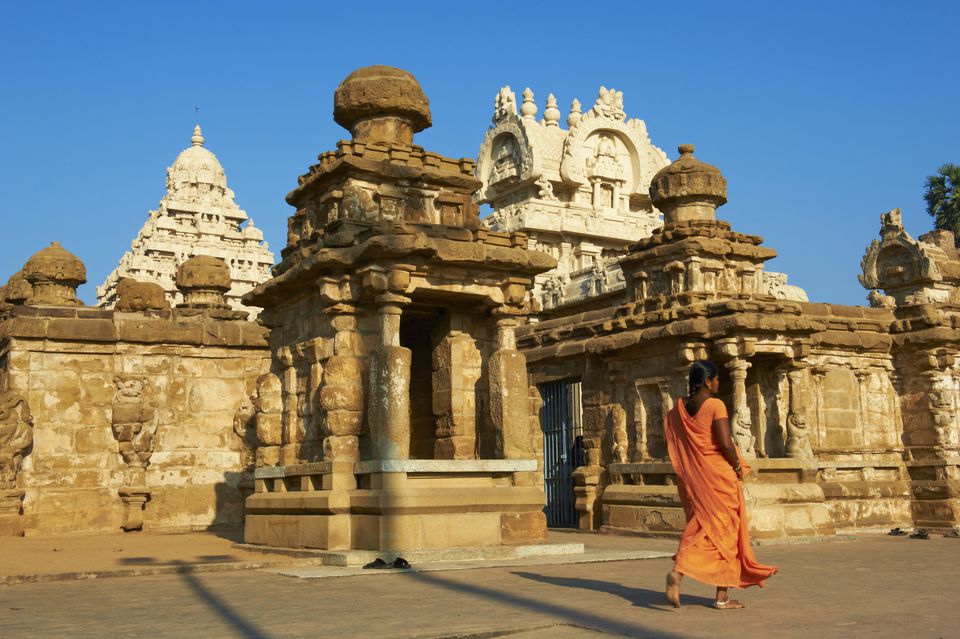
(575, 113)
(551, 114)
(197, 139)
(688, 189)
(529, 108)
(55, 273)
(203, 280)
(381, 104)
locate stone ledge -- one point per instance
(445, 466)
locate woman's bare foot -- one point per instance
(673, 588)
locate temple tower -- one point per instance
(396, 416)
(581, 194)
(197, 216)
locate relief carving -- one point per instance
(16, 436)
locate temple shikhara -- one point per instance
(411, 377)
(197, 216)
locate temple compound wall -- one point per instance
(849, 416)
(137, 417)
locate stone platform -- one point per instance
(397, 505)
(783, 500)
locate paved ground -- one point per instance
(120, 553)
(874, 586)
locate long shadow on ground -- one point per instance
(653, 599)
(560, 613)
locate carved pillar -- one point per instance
(133, 427)
(16, 437)
(292, 422)
(817, 374)
(390, 375)
(863, 401)
(456, 370)
(798, 440)
(507, 372)
(740, 421)
(341, 394)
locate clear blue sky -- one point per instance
(821, 115)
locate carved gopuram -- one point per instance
(848, 414)
(398, 412)
(580, 194)
(123, 418)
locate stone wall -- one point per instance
(149, 405)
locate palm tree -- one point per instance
(943, 199)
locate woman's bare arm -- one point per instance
(724, 440)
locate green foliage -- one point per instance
(943, 199)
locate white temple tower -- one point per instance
(581, 194)
(197, 216)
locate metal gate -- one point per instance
(562, 449)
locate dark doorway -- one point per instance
(562, 449)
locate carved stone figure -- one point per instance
(16, 436)
(879, 300)
(546, 189)
(798, 440)
(140, 296)
(133, 421)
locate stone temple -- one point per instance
(421, 379)
(580, 194)
(197, 216)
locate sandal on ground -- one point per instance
(401, 563)
(897, 532)
(673, 589)
(920, 534)
(729, 604)
(377, 564)
(954, 533)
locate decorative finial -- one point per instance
(197, 138)
(686, 149)
(551, 114)
(529, 108)
(575, 113)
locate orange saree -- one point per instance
(715, 546)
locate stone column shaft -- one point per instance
(390, 382)
(741, 423)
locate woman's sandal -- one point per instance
(729, 604)
(673, 589)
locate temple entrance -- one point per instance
(562, 449)
(420, 332)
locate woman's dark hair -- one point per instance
(700, 371)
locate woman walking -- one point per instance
(715, 546)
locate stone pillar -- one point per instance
(268, 404)
(390, 375)
(341, 392)
(740, 421)
(456, 369)
(818, 373)
(16, 437)
(507, 372)
(292, 421)
(798, 439)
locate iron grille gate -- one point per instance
(562, 449)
